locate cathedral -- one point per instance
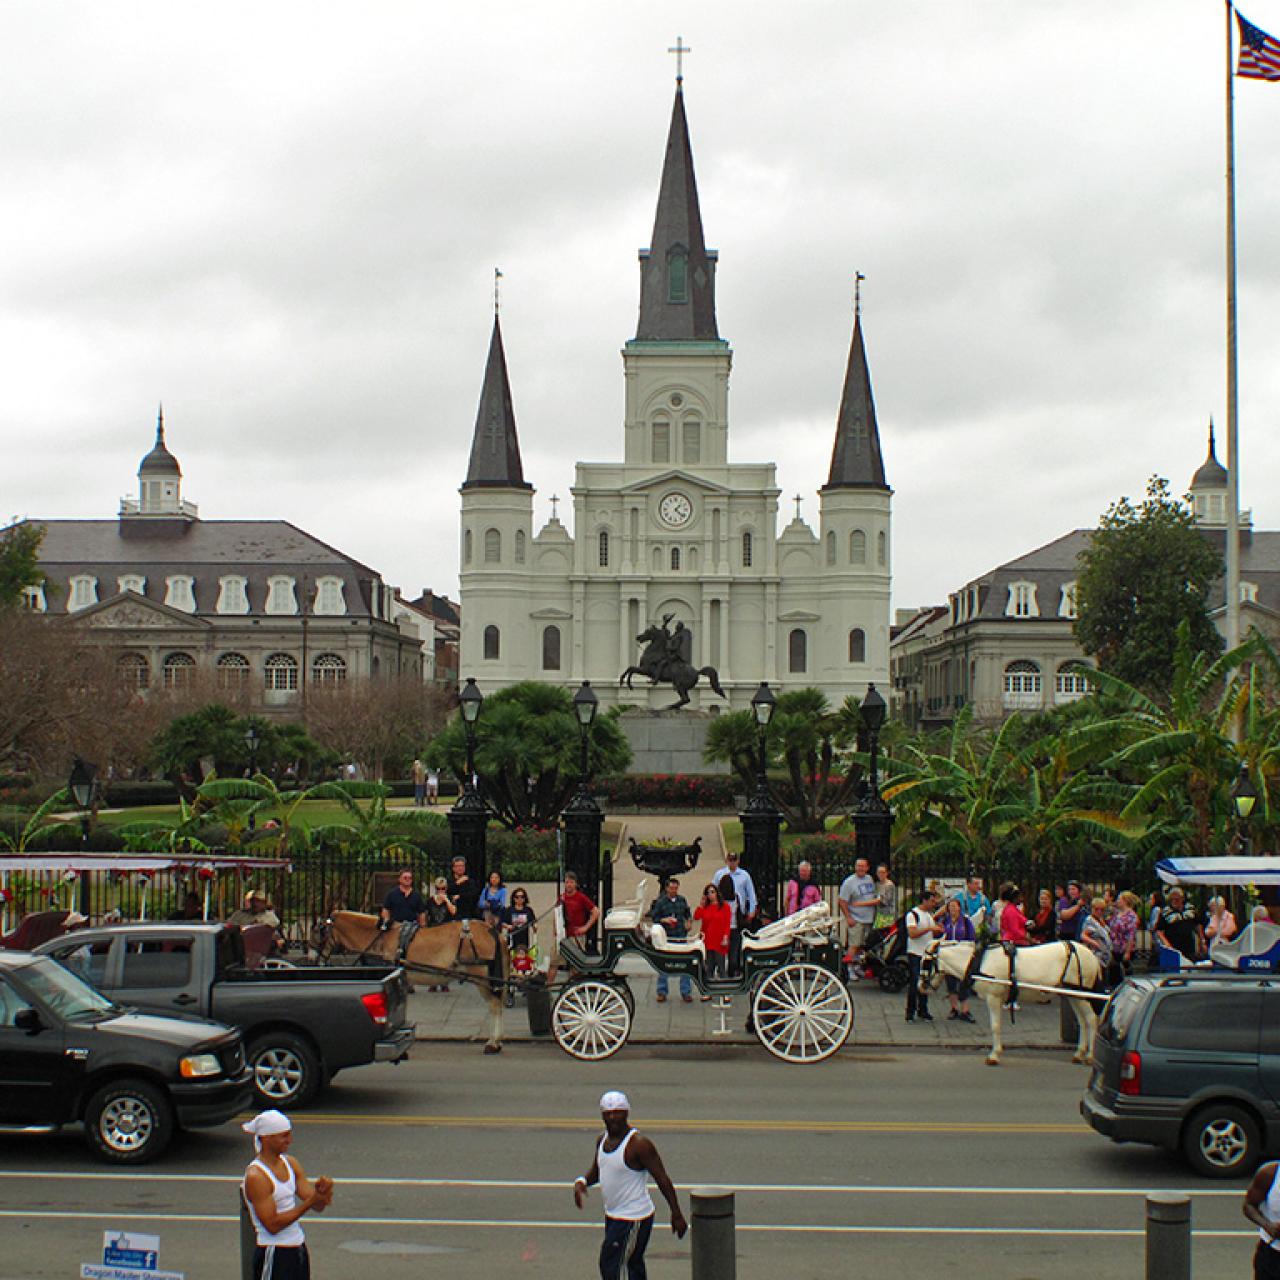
(674, 532)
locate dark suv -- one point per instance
(1191, 1062)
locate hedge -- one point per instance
(715, 791)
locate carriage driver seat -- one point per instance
(627, 915)
(659, 941)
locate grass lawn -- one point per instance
(732, 829)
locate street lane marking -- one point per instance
(697, 1125)
(562, 1184)
(543, 1224)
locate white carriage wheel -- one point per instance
(802, 1013)
(591, 1020)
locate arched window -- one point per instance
(233, 671)
(857, 645)
(746, 548)
(691, 437)
(492, 546)
(551, 648)
(1022, 685)
(178, 670)
(831, 548)
(1070, 683)
(134, 670)
(282, 672)
(675, 558)
(602, 551)
(492, 643)
(857, 547)
(882, 548)
(466, 547)
(519, 546)
(179, 593)
(798, 650)
(329, 668)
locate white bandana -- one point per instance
(266, 1123)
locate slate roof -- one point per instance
(204, 549)
(495, 447)
(677, 228)
(856, 460)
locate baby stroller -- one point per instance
(884, 957)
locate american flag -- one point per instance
(1259, 53)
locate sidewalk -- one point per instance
(878, 1019)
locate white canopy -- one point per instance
(149, 862)
(1222, 870)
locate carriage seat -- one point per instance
(1255, 947)
(659, 941)
(814, 922)
(627, 915)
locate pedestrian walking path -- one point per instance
(878, 1017)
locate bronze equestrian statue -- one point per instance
(665, 660)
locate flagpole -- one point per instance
(1233, 457)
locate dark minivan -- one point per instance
(1191, 1062)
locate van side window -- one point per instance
(1216, 1021)
(1271, 1022)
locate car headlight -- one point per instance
(200, 1064)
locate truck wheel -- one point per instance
(286, 1070)
(128, 1121)
(1221, 1141)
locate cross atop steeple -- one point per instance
(679, 49)
(555, 505)
(797, 500)
(858, 278)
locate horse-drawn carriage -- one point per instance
(800, 1008)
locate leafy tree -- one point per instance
(1146, 570)
(19, 560)
(527, 751)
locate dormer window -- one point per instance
(1022, 601)
(280, 597)
(329, 600)
(1248, 592)
(1067, 601)
(33, 598)
(232, 596)
(134, 582)
(84, 592)
(678, 275)
(180, 593)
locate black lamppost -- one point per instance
(1244, 796)
(83, 785)
(872, 819)
(582, 818)
(761, 818)
(252, 739)
(469, 817)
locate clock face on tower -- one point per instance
(675, 510)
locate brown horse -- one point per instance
(463, 950)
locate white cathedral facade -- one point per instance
(674, 529)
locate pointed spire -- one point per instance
(160, 459)
(677, 271)
(856, 461)
(1212, 474)
(495, 448)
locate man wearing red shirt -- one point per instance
(580, 913)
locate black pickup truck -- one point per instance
(69, 1055)
(301, 1026)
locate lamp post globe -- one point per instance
(1244, 795)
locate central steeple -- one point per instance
(677, 270)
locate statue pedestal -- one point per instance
(668, 741)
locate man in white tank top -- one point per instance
(277, 1194)
(624, 1158)
(1262, 1208)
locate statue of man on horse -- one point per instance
(667, 659)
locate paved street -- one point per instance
(870, 1164)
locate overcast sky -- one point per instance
(282, 220)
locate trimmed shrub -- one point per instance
(669, 791)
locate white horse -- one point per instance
(1051, 964)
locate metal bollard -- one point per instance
(248, 1239)
(1168, 1236)
(1068, 1030)
(714, 1249)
